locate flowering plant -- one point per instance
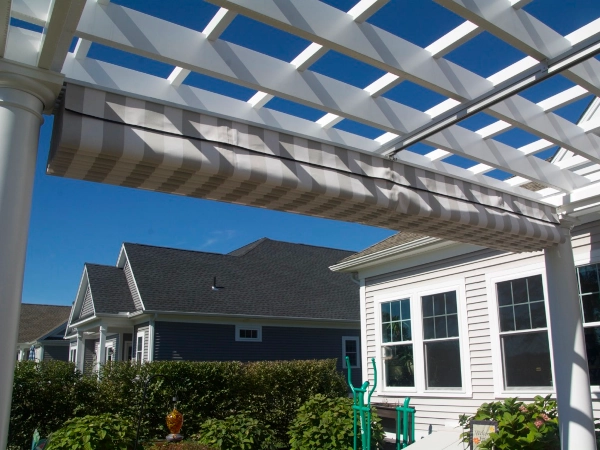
(532, 426)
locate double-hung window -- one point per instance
(397, 343)
(524, 333)
(441, 342)
(350, 349)
(139, 348)
(589, 294)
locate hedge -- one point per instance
(47, 394)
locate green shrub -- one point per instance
(327, 423)
(521, 426)
(104, 432)
(47, 394)
(236, 432)
(183, 445)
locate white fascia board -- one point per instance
(122, 258)
(79, 297)
(32, 11)
(125, 81)
(421, 251)
(58, 33)
(313, 20)
(528, 34)
(255, 70)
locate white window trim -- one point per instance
(107, 346)
(139, 334)
(73, 348)
(414, 293)
(239, 327)
(497, 367)
(357, 340)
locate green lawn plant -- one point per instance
(327, 424)
(521, 426)
(103, 432)
(236, 432)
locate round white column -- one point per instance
(571, 377)
(22, 101)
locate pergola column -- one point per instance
(24, 94)
(571, 377)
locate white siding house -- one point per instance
(453, 326)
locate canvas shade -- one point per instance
(114, 139)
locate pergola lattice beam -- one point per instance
(531, 36)
(32, 11)
(59, 32)
(133, 31)
(313, 20)
(4, 25)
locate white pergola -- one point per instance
(121, 126)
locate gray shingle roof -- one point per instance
(38, 320)
(110, 291)
(265, 278)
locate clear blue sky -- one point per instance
(73, 222)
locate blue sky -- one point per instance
(73, 222)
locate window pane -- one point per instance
(398, 361)
(386, 333)
(538, 314)
(536, 290)
(406, 330)
(395, 311)
(385, 312)
(504, 293)
(527, 360)
(588, 278)
(592, 345)
(591, 307)
(442, 361)
(522, 318)
(428, 330)
(353, 359)
(519, 290)
(507, 318)
(405, 306)
(439, 305)
(452, 325)
(451, 303)
(350, 346)
(440, 327)
(396, 332)
(428, 306)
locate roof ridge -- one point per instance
(45, 304)
(174, 248)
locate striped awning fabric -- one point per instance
(110, 138)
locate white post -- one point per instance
(24, 94)
(101, 348)
(80, 352)
(571, 377)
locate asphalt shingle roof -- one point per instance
(264, 278)
(110, 290)
(38, 320)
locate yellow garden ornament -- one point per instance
(174, 423)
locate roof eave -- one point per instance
(251, 316)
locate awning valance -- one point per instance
(110, 138)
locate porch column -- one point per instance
(571, 377)
(101, 348)
(80, 352)
(24, 93)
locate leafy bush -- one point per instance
(47, 394)
(521, 426)
(183, 445)
(236, 432)
(104, 432)
(327, 423)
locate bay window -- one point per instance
(524, 333)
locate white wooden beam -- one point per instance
(82, 48)
(59, 32)
(563, 98)
(314, 20)
(252, 69)
(4, 25)
(32, 11)
(120, 80)
(528, 34)
(453, 39)
(365, 9)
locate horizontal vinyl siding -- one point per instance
(56, 352)
(88, 355)
(216, 342)
(434, 413)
